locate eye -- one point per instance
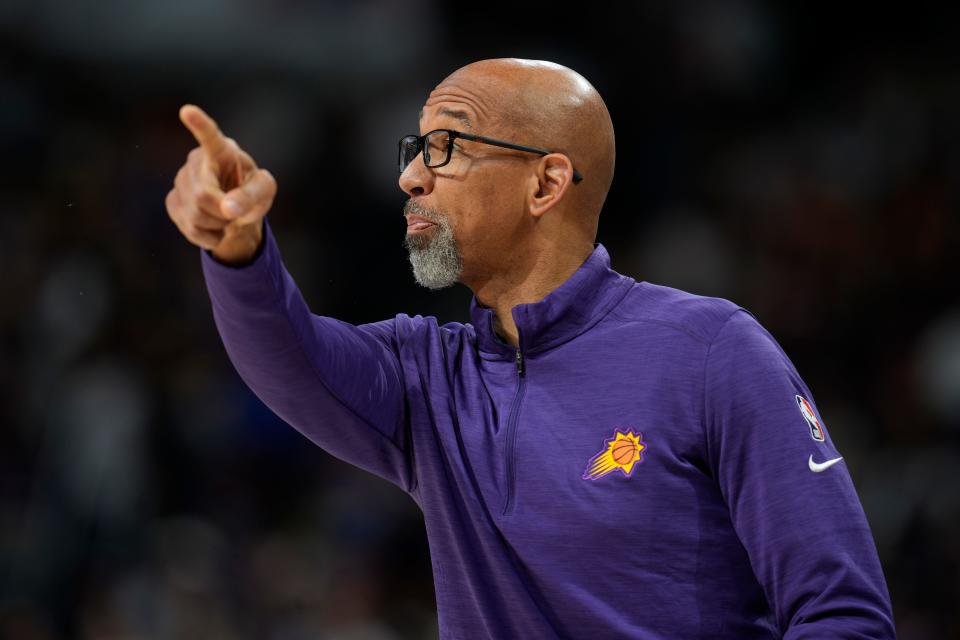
(437, 144)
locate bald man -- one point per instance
(595, 457)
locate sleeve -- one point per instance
(340, 385)
(797, 514)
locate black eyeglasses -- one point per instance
(437, 148)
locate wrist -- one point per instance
(240, 245)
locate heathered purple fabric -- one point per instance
(720, 530)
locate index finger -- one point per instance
(204, 129)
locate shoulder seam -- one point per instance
(703, 385)
(665, 323)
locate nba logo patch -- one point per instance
(806, 409)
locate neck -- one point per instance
(529, 278)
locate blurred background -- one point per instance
(801, 160)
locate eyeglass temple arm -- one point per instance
(577, 177)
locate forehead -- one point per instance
(470, 100)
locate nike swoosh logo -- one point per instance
(817, 467)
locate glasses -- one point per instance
(437, 148)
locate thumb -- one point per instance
(252, 199)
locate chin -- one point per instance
(416, 242)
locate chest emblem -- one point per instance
(621, 452)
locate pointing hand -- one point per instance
(220, 196)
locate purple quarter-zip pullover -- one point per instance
(648, 464)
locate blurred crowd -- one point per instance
(802, 162)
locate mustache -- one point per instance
(415, 208)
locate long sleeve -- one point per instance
(340, 385)
(802, 525)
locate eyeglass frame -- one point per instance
(453, 134)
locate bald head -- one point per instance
(546, 105)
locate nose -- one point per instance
(417, 179)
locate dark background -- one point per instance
(800, 160)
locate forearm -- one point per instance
(309, 369)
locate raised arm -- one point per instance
(791, 498)
(339, 384)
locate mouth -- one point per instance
(416, 226)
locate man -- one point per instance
(594, 457)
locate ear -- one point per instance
(554, 175)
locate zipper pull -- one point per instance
(519, 361)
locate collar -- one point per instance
(566, 312)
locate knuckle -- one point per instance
(270, 183)
(246, 159)
(189, 226)
(207, 200)
(181, 179)
(231, 148)
(180, 227)
(191, 217)
(262, 188)
(205, 165)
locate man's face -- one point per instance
(465, 219)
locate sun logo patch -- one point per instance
(806, 409)
(621, 452)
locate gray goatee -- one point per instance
(436, 261)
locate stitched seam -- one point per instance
(665, 323)
(706, 361)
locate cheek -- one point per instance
(485, 232)
(500, 201)
(485, 216)
(466, 221)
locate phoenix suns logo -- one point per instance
(621, 452)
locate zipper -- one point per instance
(512, 428)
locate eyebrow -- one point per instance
(462, 116)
